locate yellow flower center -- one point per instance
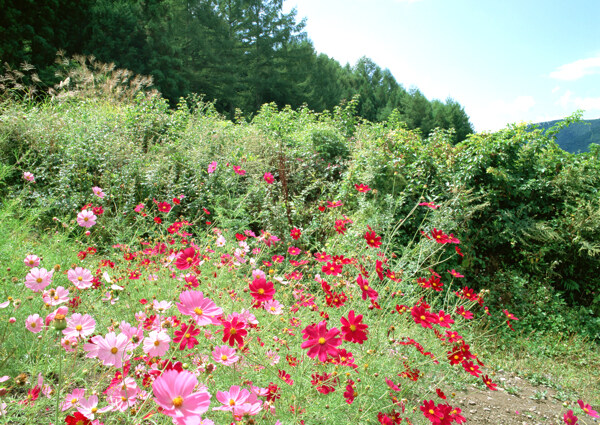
(156, 343)
(178, 401)
(232, 331)
(352, 328)
(261, 291)
(114, 350)
(74, 400)
(321, 340)
(224, 357)
(78, 327)
(85, 219)
(39, 280)
(198, 311)
(232, 402)
(79, 278)
(94, 409)
(188, 335)
(33, 324)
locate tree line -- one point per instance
(240, 53)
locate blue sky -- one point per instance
(505, 61)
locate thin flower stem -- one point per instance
(60, 357)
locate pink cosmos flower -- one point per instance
(139, 207)
(124, 395)
(29, 177)
(98, 192)
(212, 167)
(79, 326)
(110, 349)
(156, 343)
(80, 277)
(88, 407)
(32, 260)
(38, 279)
(134, 335)
(232, 398)
(56, 296)
(86, 218)
(72, 399)
(225, 355)
(34, 323)
(203, 310)
(161, 306)
(273, 307)
(69, 344)
(173, 391)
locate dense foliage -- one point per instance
(241, 53)
(527, 212)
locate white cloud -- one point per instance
(578, 69)
(498, 114)
(569, 102)
(555, 89)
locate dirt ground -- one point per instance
(517, 402)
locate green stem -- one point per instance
(60, 356)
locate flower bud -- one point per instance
(59, 322)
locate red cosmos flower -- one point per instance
(176, 201)
(81, 255)
(164, 207)
(322, 257)
(362, 188)
(455, 273)
(268, 177)
(392, 385)
(372, 239)
(458, 251)
(292, 250)
(332, 269)
(278, 258)
(286, 377)
(367, 291)
(439, 236)
(464, 313)
(430, 205)
(471, 368)
(336, 300)
(77, 419)
(423, 317)
(234, 332)
(340, 226)
(444, 320)
(240, 237)
(570, 418)
(453, 336)
(350, 393)
(324, 379)
(352, 328)
(187, 258)
(295, 233)
(440, 394)
(321, 342)
(334, 204)
(261, 290)
(186, 336)
(430, 410)
(238, 170)
(488, 382)
(588, 409)
(509, 315)
(158, 220)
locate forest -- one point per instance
(240, 54)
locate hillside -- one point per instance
(578, 136)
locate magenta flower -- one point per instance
(173, 391)
(268, 177)
(79, 326)
(203, 310)
(80, 277)
(212, 167)
(38, 279)
(34, 323)
(32, 260)
(29, 177)
(321, 342)
(186, 336)
(157, 343)
(225, 355)
(570, 418)
(588, 409)
(86, 218)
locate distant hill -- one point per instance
(577, 137)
